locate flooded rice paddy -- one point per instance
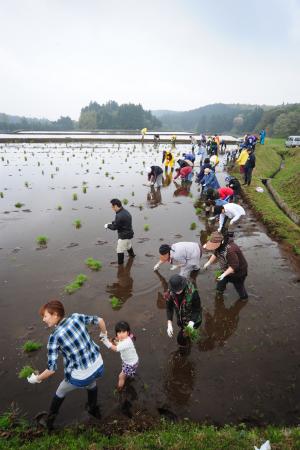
(246, 366)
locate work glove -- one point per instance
(170, 329)
(157, 266)
(33, 379)
(106, 225)
(191, 324)
(219, 229)
(220, 278)
(206, 265)
(106, 342)
(173, 267)
(103, 335)
(231, 222)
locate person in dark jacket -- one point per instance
(183, 298)
(249, 166)
(204, 166)
(123, 225)
(155, 176)
(232, 263)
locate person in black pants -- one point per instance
(249, 166)
(123, 225)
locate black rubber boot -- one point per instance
(120, 258)
(54, 408)
(92, 406)
(131, 252)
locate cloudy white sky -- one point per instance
(57, 55)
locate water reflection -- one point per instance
(179, 378)
(182, 189)
(168, 177)
(154, 197)
(122, 288)
(220, 325)
(161, 302)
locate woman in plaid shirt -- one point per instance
(83, 363)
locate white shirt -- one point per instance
(233, 211)
(185, 253)
(127, 351)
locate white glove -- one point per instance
(219, 229)
(33, 379)
(157, 266)
(220, 278)
(231, 222)
(191, 324)
(106, 225)
(173, 267)
(206, 265)
(106, 342)
(103, 335)
(170, 329)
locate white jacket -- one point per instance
(233, 211)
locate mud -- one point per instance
(246, 366)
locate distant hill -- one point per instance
(234, 119)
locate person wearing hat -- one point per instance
(155, 176)
(232, 262)
(183, 255)
(231, 211)
(183, 298)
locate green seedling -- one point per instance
(132, 193)
(25, 158)
(26, 184)
(106, 174)
(84, 189)
(26, 372)
(146, 227)
(42, 172)
(31, 346)
(141, 207)
(198, 211)
(51, 175)
(103, 161)
(115, 302)
(218, 273)
(39, 164)
(192, 333)
(93, 264)
(1, 195)
(193, 226)
(124, 201)
(142, 172)
(76, 284)
(19, 205)
(59, 208)
(42, 241)
(77, 223)
(51, 163)
(75, 197)
(57, 169)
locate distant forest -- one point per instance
(236, 119)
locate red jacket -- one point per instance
(225, 192)
(184, 172)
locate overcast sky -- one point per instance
(58, 55)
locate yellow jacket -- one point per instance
(241, 161)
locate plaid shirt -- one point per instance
(72, 339)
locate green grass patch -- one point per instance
(31, 346)
(115, 302)
(76, 284)
(93, 264)
(25, 372)
(146, 227)
(19, 205)
(42, 241)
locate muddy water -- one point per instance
(246, 366)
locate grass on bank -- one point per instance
(279, 225)
(183, 436)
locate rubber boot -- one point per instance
(54, 408)
(131, 252)
(120, 258)
(92, 406)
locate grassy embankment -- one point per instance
(268, 160)
(182, 436)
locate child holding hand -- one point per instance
(124, 345)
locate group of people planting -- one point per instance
(83, 363)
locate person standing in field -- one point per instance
(249, 166)
(83, 363)
(123, 225)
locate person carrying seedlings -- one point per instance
(125, 346)
(83, 362)
(183, 298)
(249, 166)
(209, 180)
(123, 225)
(169, 160)
(232, 262)
(183, 255)
(155, 176)
(231, 211)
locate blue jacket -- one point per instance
(210, 181)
